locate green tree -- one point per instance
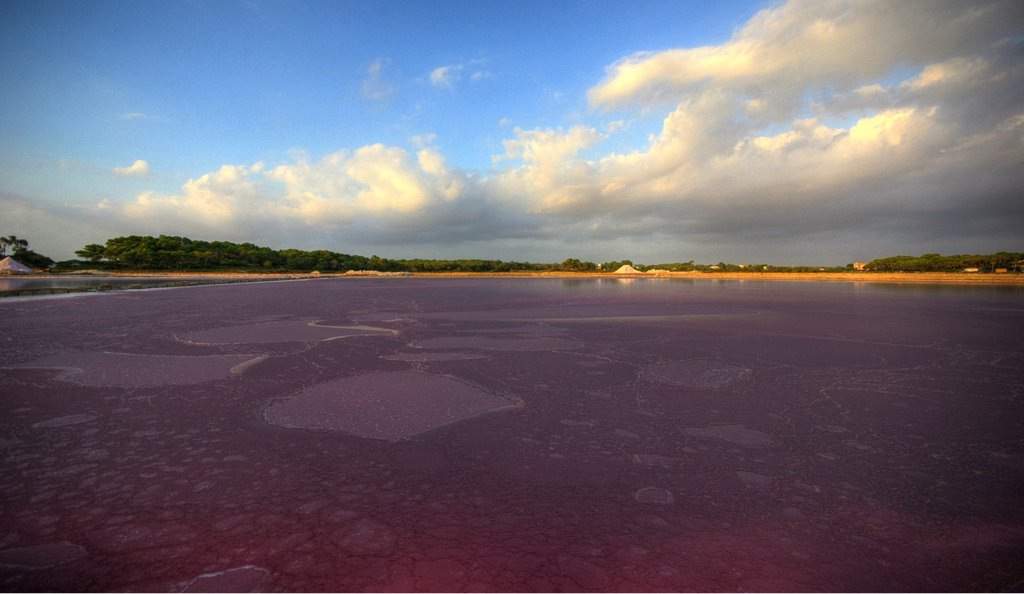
(30, 258)
(93, 252)
(21, 251)
(13, 243)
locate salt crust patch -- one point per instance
(754, 479)
(737, 434)
(128, 369)
(696, 373)
(487, 343)
(366, 537)
(41, 556)
(63, 421)
(390, 405)
(247, 578)
(658, 460)
(530, 330)
(274, 332)
(427, 356)
(654, 495)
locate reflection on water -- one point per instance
(656, 285)
(85, 283)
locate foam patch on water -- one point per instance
(696, 373)
(487, 343)
(274, 332)
(737, 434)
(129, 369)
(390, 405)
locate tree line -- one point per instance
(175, 253)
(1010, 261)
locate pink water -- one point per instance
(523, 435)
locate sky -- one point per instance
(800, 132)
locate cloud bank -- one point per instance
(822, 130)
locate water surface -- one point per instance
(514, 434)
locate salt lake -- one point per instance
(382, 434)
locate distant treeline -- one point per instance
(174, 253)
(1010, 261)
(183, 254)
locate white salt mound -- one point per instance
(627, 269)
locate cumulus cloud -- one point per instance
(853, 129)
(375, 186)
(810, 44)
(791, 128)
(551, 175)
(230, 196)
(376, 86)
(445, 76)
(139, 168)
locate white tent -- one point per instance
(11, 266)
(627, 269)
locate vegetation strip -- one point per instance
(181, 254)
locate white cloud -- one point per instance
(449, 75)
(793, 133)
(551, 176)
(548, 147)
(213, 200)
(139, 168)
(445, 77)
(376, 86)
(376, 182)
(138, 116)
(810, 43)
(956, 69)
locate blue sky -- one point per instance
(804, 132)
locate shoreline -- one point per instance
(956, 278)
(950, 278)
